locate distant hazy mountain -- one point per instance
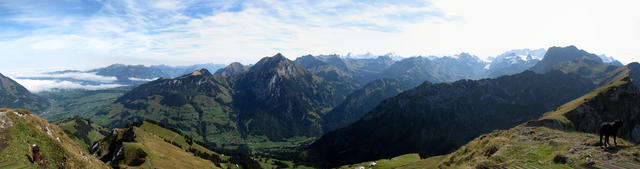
(560, 55)
(115, 75)
(437, 118)
(514, 61)
(439, 69)
(176, 71)
(362, 101)
(233, 69)
(358, 71)
(130, 74)
(14, 95)
(610, 60)
(130, 71)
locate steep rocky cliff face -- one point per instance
(20, 129)
(617, 101)
(111, 149)
(281, 99)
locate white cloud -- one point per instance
(46, 85)
(141, 79)
(151, 32)
(72, 75)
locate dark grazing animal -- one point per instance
(609, 129)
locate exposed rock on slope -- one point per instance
(147, 145)
(617, 101)
(82, 131)
(281, 99)
(19, 129)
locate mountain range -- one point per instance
(305, 97)
(437, 118)
(116, 74)
(331, 110)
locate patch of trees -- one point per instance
(174, 99)
(240, 156)
(135, 106)
(174, 143)
(211, 157)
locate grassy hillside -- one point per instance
(19, 129)
(161, 154)
(403, 161)
(147, 145)
(540, 147)
(82, 131)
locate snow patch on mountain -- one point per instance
(610, 60)
(369, 55)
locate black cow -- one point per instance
(609, 129)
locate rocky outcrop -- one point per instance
(110, 149)
(557, 55)
(234, 69)
(617, 101)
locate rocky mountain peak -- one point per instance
(277, 64)
(557, 55)
(200, 72)
(233, 69)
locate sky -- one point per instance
(83, 34)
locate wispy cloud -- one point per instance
(84, 76)
(46, 80)
(189, 30)
(97, 33)
(47, 85)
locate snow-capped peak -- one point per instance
(368, 55)
(520, 55)
(609, 60)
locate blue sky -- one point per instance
(84, 34)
